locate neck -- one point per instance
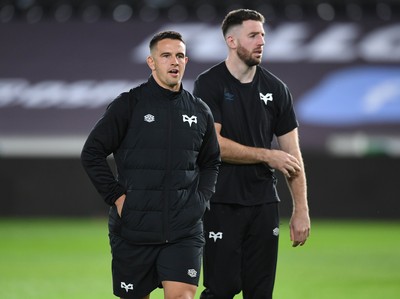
(240, 70)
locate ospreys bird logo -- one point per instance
(127, 287)
(190, 120)
(265, 98)
(215, 236)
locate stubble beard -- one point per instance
(174, 84)
(246, 57)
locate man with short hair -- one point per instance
(167, 156)
(250, 106)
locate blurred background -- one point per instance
(62, 62)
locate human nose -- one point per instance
(174, 60)
(261, 40)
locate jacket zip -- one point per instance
(168, 174)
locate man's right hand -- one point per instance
(119, 203)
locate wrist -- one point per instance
(263, 155)
(302, 209)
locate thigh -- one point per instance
(260, 252)
(133, 268)
(181, 261)
(223, 226)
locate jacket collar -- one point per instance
(168, 94)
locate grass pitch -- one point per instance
(70, 259)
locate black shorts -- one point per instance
(241, 250)
(137, 270)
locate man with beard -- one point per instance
(250, 105)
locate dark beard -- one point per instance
(246, 57)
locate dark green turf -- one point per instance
(70, 259)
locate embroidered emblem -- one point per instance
(149, 118)
(215, 236)
(265, 98)
(190, 120)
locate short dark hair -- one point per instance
(164, 35)
(237, 17)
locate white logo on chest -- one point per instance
(190, 120)
(149, 118)
(265, 98)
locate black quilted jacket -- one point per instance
(167, 158)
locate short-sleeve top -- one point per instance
(250, 114)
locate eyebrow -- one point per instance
(170, 53)
(257, 32)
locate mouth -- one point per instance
(258, 52)
(174, 72)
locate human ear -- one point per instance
(150, 63)
(230, 41)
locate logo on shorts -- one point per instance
(127, 287)
(215, 236)
(192, 273)
(275, 231)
